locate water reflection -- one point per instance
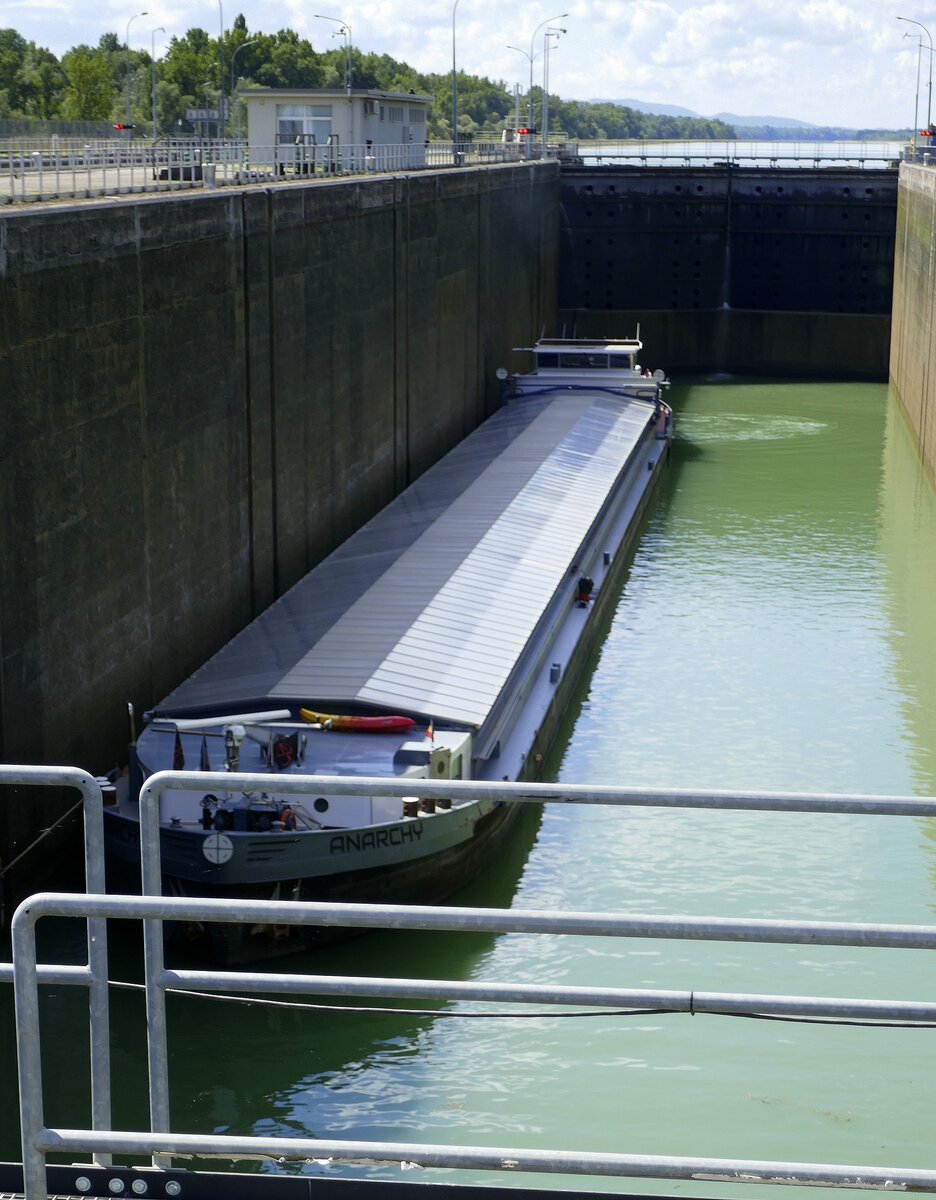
(774, 631)
(908, 555)
(289, 1070)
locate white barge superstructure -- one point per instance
(462, 610)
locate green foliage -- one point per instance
(190, 61)
(588, 122)
(12, 52)
(32, 82)
(90, 90)
(43, 83)
(93, 83)
(286, 61)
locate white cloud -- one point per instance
(829, 61)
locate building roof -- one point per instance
(427, 609)
(336, 93)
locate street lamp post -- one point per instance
(556, 33)
(929, 86)
(344, 31)
(454, 92)
(530, 92)
(221, 72)
(916, 94)
(531, 56)
(127, 47)
(153, 32)
(237, 51)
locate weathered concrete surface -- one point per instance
(733, 269)
(805, 345)
(202, 395)
(913, 348)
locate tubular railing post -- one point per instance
(153, 909)
(98, 999)
(157, 1042)
(29, 1057)
(39, 1140)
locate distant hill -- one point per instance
(755, 127)
(665, 110)
(674, 110)
(773, 122)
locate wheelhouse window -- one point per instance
(584, 362)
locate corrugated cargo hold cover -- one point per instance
(426, 609)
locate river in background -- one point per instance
(775, 632)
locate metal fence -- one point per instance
(682, 152)
(59, 168)
(39, 130)
(69, 168)
(161, 1143)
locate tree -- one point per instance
(43, 83)
(288, 61)
(170, 105)
(89, 94)
(91, 84)
(12, 54)
(189, 61)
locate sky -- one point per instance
(827, 62)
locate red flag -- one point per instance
(178, 754)
(205, 761)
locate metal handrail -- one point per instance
(92, 169)
(154, 909)
(94, 974)
(40, 1140)
(456, 790)
(675, 151)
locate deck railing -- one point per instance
(70, 168)
(160, 1142)
(40, 1140)
(673, 152)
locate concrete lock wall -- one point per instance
(202, 395)
(913, 348)
(748, 269)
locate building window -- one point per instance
(303, 122)
(417, 116)
(394, 113)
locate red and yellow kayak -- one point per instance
(362, 724)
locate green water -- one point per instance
(775, 631)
